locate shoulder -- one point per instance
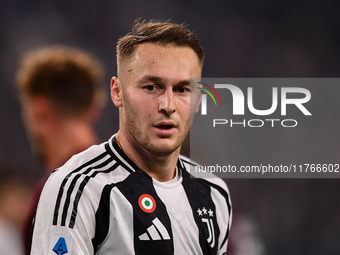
(78, 185)
(77, 165)
(91, 156)
(91, 163)
(85, 173)
(66, 177)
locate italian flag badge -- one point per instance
(147, 203)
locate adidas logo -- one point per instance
(156, 231)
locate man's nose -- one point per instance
(166, 103)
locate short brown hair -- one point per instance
(70, 78)
(160, 33)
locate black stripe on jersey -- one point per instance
(180, 164)
(134, 186)
(191, 163)
(223, 193)
(82, 185)
(81, 188)
(73, 184)
(102, 217)
(226, 196)
(199, 196)
(121, 153)
(80, 192)
(108, 149)
(62, 186)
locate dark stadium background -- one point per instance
(241, 39)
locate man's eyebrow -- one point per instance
(152, 78)
(157, 79)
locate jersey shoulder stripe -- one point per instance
(75, 181)
(81, 190)
(115, 151)
(70, 170)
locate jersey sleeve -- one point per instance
(60, 227)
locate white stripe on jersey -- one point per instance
(223, 220)
(120, 234)
(179, 210)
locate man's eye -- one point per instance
(183, 90)
(150, 87)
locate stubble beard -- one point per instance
(132, 127)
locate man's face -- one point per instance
(155, 96)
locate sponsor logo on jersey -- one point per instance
(147, 203)
(156, 231)
(206, 217)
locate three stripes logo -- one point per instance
(156, 231)
(204, 97)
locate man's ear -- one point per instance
(116, 93)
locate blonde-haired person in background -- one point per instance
(61, 96)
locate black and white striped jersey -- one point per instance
(100, 202)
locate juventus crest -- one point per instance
(206, 217)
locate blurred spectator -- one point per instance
(13, 201)
(61, 101)
(244, 238)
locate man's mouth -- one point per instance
(164, 126)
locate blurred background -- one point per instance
(241, 39)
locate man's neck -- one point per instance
(160, 168)
(67, 140)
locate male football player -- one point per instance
(134, 194)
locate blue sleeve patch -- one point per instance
(60, 247)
